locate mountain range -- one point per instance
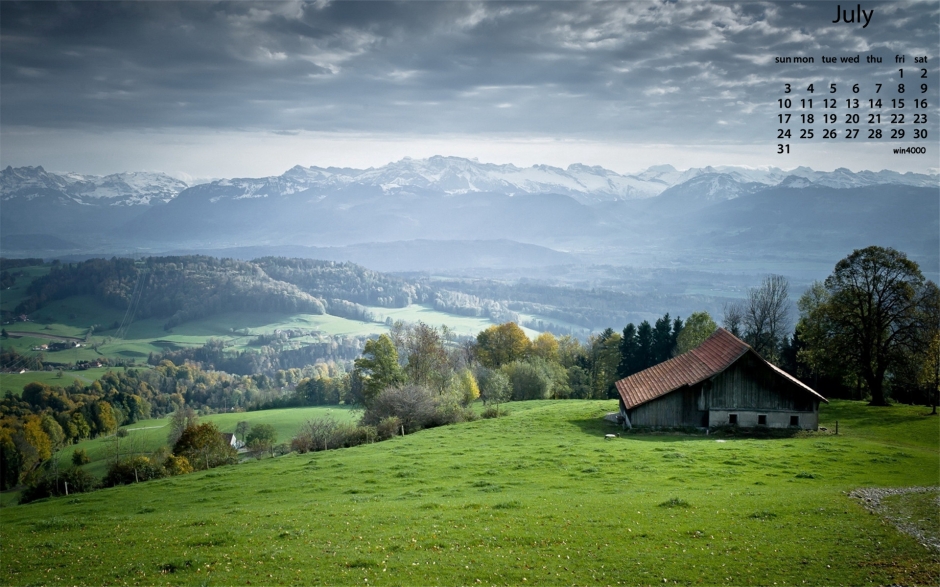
(579, 214)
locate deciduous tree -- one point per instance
(204, 446)
(501, 345)
(697, 328)
(868, 314)
(378, 367)
(261, 438)
(181, 419)
(494, 387)
(766, 316)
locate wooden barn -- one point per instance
(722, 382)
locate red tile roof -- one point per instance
(717, 353)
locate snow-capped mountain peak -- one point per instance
(118, 189)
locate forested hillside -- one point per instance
(346, 281)
(176, 288)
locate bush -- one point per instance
(204, 447)
(174, 465)
(133, 470)
(356, 435)
(47, 485)
(320, 434)
(528, 381)
(494, 412)
(453, 413)
(414, 405)
(80, 457)
(261, 439)
(388, 428)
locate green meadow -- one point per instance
(14, 382)
(11, 297)
(537, 497)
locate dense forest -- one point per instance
(269, 358)
(345, 281)
(593, 309)
(176, 288)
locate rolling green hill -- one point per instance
(538, 497)
(188, 301)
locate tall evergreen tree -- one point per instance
(644, 340)
(677, 326)
(629, 347)
(662, 340)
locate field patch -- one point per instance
(14, 382)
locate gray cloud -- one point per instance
(657, 71)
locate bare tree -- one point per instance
(414, 405)
(767, 315)
(317, 434)
(733, 317)
(423, 351)
(181, 419)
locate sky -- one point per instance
(245, 89)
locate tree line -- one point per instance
(347, 281)
(269, 358)
(178, 289)
(44, 418)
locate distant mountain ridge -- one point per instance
(118, 189)
(448, 175)
(489, 215)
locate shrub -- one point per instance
(453, 413)
(80, 457)
(388, 428)
(204, 447)
(356, 435)
(322, 434)
(674, 502)
(174, 465)
(47, 485)
(494, 412)
(133, 470)
(261, 439)
(528, 381)
(494, 386)
(414, 405)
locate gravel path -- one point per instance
(871, 497)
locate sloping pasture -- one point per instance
(538, 497)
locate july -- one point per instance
(850, 15)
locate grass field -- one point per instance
(15, 381)
(10, 298)
(538, 497)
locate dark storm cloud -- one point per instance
(580, 70)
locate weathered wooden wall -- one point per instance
(750, 384)
(679, 408)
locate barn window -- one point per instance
(794, 420)
(732, 419)
(762, 419)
